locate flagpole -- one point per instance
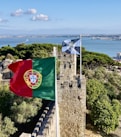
(56, 97)
(80, 58)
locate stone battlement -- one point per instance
(45, 126)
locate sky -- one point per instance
(60, 17)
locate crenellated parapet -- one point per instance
(45, 126)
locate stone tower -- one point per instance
(71, 98)
(67, 66)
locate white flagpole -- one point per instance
(56, 99)
(80, 58)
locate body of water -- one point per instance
(109, 47)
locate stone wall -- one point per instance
(72, 99)
(46, 124)
(72, 106)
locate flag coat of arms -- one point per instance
(71, 46)
(34, 78)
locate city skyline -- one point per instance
(60, 17)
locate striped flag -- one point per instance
(71, 46)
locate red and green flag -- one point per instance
(34, 78)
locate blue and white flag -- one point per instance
(71, 46)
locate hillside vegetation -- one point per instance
(23, 51)
(15, 110)
(103, 91)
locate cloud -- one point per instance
(31, 11)
(40, 17)
(18, 12)
(3, 20)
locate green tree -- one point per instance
(7, 127)
(105, 115)
(6, 99)
(25, 109)
(7, 49)
(111, 90)
(92, 60)
(95, 89)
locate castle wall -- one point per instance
(72, 106)
(71, 99)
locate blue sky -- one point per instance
(60, 17)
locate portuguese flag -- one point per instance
(34, 78)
